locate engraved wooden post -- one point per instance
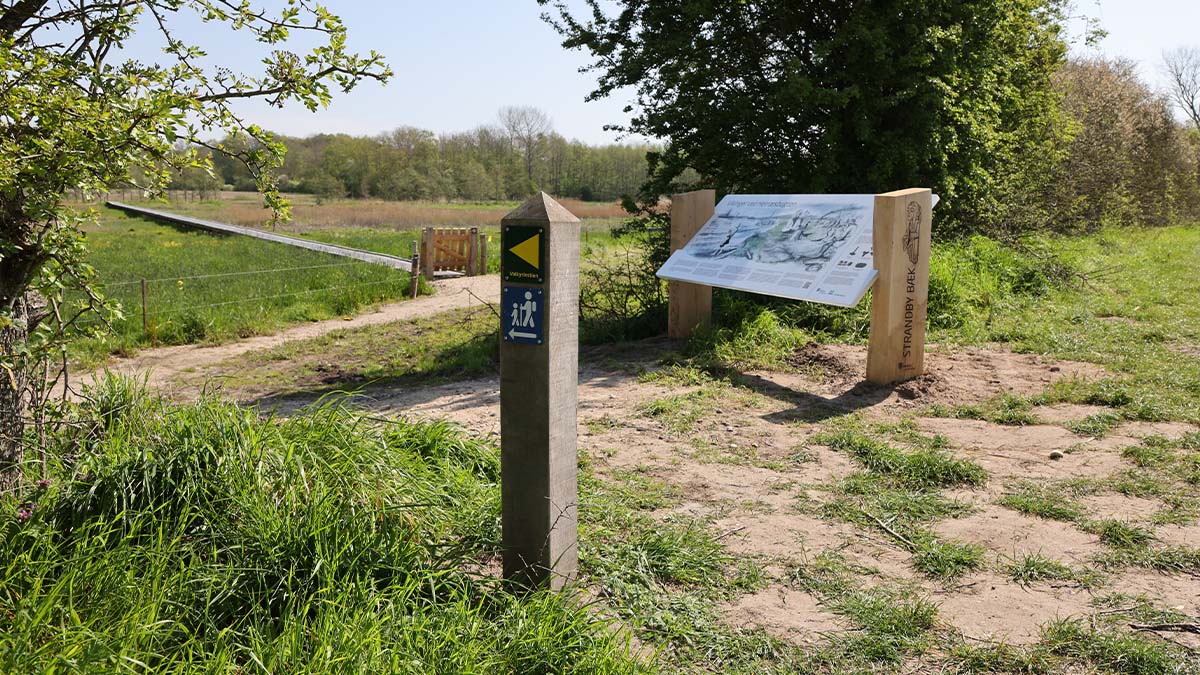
(899, 304)
(688, 305)
(539, 378)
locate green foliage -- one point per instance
(951, 97)
(1034, 567)
(919, 469)
(1119, 534)
(1043, 502)
(80, 115)
(486, 163)
(209, 539)
(1117, 652)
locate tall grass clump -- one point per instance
(203, 538)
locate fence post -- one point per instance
(145, 317)
(539, 380)
(414, 275)
(483, 267)
(688, 305)
(473, 252)
(428, 254)
(900, 302)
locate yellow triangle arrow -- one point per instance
(530, 251)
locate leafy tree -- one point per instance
(796, 96)
(76, 115)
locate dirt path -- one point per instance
(163, 364)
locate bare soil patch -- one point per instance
(1180, 535)
(785, 613)
(987, 606)
(1024, 452)
(1011, 534)
(1120, 507)
(1066, 413)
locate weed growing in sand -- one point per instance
(923, 468)
(1034, 567)
(891, 623)
(1170, 559)
(1115, 650)
(1043, 502)
(1098, 425)
(666, 578)
(1004, 408)
(1119, 534)
(944, 559)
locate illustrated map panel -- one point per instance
(804, 247)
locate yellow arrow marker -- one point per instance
(529, 250)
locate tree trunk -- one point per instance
(13, 374)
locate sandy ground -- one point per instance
(737, 467)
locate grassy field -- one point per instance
(203, 287)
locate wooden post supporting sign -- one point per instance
(688, 305)
(899, 305)
(539, 356)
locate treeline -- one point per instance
(511, 159)
(1125, 158)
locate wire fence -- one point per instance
(135, 282)
(141, 302)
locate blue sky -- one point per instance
(458, 61)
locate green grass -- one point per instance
(1043, 502)
(247, 286)
(1114, 651)
(1097, 425)
(458, 343)
(1000, 409)
(898, 494)
(203, 538)
(1034, 567)
(922, 468)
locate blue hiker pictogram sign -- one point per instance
(524, 313)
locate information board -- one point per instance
(805, 247)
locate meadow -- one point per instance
(208, 288)
(203, 287)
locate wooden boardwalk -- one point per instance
(214, 226)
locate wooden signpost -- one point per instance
(900, 249)
(539, 378)
(689, 305)
(900, 302)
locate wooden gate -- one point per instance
(453, 250)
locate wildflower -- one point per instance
(43, 483)
(24, 513)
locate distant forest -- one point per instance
(518, 155)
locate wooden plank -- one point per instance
(900, 302)
(689, 306)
